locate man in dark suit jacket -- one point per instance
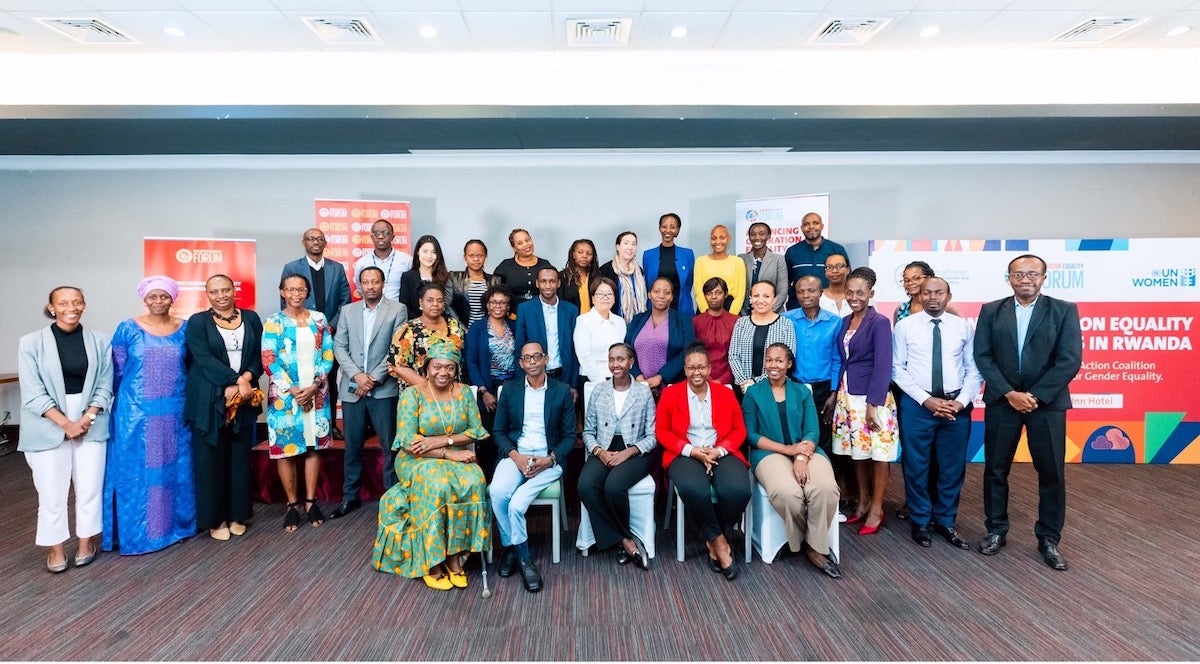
(534, 433)
(328, 292)
(533, 324)
(1028, 348)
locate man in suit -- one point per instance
(1028, 348)
(368, 394)
(933, 362)
(550, 321)
(764, 265)
(534, 433)
(808, 257)
(329, 291)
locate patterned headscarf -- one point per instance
(443, 349)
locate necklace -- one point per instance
(447, 413)
(228, 319)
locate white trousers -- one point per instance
(75, 461)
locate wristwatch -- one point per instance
(449, 441)
(91, 416)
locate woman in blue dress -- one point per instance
(149, 493)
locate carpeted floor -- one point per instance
(1131, 593)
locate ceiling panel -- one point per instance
(955, 28)
(767, 30)
(781, 5)
(1057, 5)
(510, 31)
(322, 7)
(868, 7)
(599, 8)
(703, 29)
(44, 6)
(401, 31)
(1124, 6)
(413, 5)
(690, 5)
(227, 5)
(147, 28)
(133, 5)
(505, 5)
(962, 5)
(260, 31)
(1032, 28)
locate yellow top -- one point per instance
(732, 269)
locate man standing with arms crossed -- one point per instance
(1028, 348)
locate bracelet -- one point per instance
(443, 453)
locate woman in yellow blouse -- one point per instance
(722, 264)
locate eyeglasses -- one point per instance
(533, 357)
(294, 289)
(836, 267)
(603, 296)
(382, 233)
(1021, 276)
(695, 368)
(498, 303)
(314, 239)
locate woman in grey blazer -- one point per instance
(618, 435)
(66, 375)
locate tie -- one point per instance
(937, 388)
(757, 266)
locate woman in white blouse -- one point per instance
(597, 330)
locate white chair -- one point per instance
(555, 498)
(744, 525)
(641, 506)
(768, 531)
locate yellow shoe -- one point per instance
(458, 579)
(237, 529)
(438, 583)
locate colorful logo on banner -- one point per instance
(347, 228)
(783, 214)
(1139, 311)
(191, 261)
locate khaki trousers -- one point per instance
(807, 509)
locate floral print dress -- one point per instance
(296, 356)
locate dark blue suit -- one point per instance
(337, 287)
(531, 326)
(685, 264)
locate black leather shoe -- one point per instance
(713, 564)
(508, 563)
(337, 434)
(951, 535)
(1051, 555)
(345, 508)
(623, 556)
(902, 513)
(990, 545)
(530, 576)
(730, 573)
(920, 535)
(831, 569)
(643, 556)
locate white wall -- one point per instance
(81, 221)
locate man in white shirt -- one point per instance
(933, 362)
(534, 433)
(391, 260)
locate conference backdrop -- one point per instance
(1135, 399)
(347, 228)
(191, 261)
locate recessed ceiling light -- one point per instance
(428, 31)
(1178, 30)
(679, 33)
(930, 31)
(173, 31)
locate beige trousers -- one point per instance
(807, 509)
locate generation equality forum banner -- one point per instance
(191, 261)
(1135, 399)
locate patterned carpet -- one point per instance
(1131, 594)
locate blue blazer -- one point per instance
(680, 333)
(531, 326)
(762, 417)
(479, 355)
(870, 370)
(337, 288)
(685, 265)
(559, 418)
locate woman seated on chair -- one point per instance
(700, 426)
(438, 508)
(781, 427)
(618, 435)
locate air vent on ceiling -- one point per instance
(342, 30)
(87, 30)
(1097, 30)
(848, 31)
(598, 31)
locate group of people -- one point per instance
(474, 382)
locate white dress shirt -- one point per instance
(394, 267)
(912, 355)
(593, 336)
(701, 432)
(533, 429)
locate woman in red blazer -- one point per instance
(701, 430)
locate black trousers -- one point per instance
(1046, 432)
(381, 413)
(604, 492)
(222, 473)
(730, 482)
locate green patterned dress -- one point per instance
(437, 507)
